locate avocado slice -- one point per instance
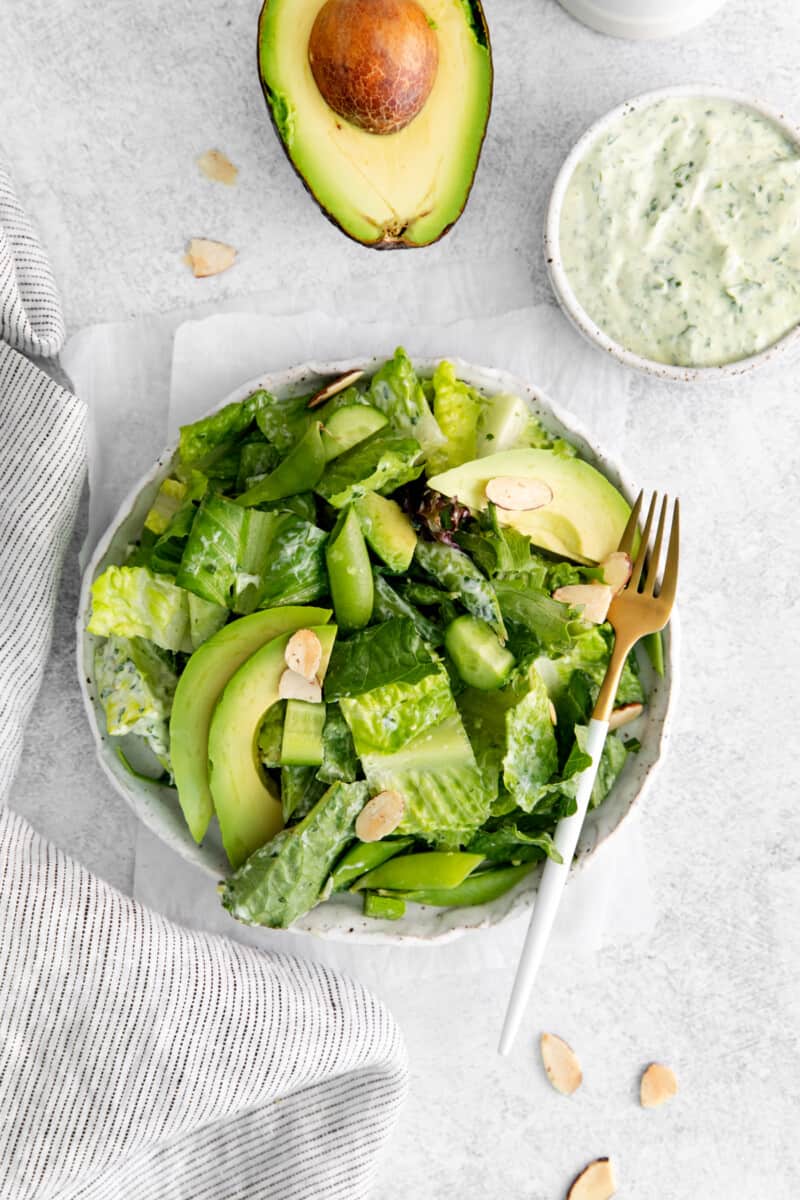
(245, 800)
(584, 520)
(199, 687)
(387, 529)
(387, 191)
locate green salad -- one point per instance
(363, 631)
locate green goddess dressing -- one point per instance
(680, 231)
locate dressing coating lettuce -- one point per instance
(133, 602)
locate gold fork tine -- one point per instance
(629, 536)
(669, 582)
(651, 576)
(636, 573)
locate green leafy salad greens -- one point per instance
(451, 688)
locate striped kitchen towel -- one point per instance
(138, 1059)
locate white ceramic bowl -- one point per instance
(639, 20)
(341, 916)
(560, 281)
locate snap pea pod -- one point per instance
(430, 869)
(477, 889)
(654, 645)
(388, 908)
(349, 572)
(300, 471)
(363, 857)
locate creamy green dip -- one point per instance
(680, 231)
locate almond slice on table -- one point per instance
(206, 257)
(334, 387)
(594, 598)
(595, 1182)
(304, 654)
(217, 167)
(516, 493)
(292, 686)
(617, 570)
(561, 1064)
(657, 1086)
(624, 715)
(380, 816)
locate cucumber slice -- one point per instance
(303, 724)
(477, 654)
(348, 426)
(349, 572)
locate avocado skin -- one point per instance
(399, 241)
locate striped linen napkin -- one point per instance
(138, 1059)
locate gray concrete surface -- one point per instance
(104, 108)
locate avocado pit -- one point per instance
(374, 61)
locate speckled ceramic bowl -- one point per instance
(559, 279)
(341, 916)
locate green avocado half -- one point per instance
(387, 191)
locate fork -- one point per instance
(642, 607)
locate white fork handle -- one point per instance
(554, 876)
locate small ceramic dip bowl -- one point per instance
(673, 232)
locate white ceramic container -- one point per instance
(341, 916)
(560, 281)
(642, 20)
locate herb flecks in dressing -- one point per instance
(680, 231)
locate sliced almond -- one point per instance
(517, 493)
(209, 258)
(294, 687)
(594, 598)
(595, 1182)
(624, 715)
(561, 1064)
(617, 570)
(380, 816)
(334, 387)
(218, 167)
(553, 721)
(657, 1086)
(304, 654)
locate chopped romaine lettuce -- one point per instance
(456, 572)
(531, 755)
(456, 407)
(283, 421)
(133, 602)
(295, 567)
(392, 652)
(509, 841)
(169, 499)
(136, 686)
(387, 604)
(283, 879)
(439, 778)
(200, 440)
(339, 758)
(396, 390)
(300, 791)
(389, 716)
(380, 463)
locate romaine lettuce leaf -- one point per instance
(284, 421)
(300, 791)
(510, 842)
(387, 717)
(531, 755)
(167, 502)
(388, 604)
(295, 571)
(396, 390)
(612, 760)
(536, 621)
(392, 652)
(209, 564)
(457, 574)
(440, 780)
(133, 602)
(256, 460)
(283, 879)
(339, 758)
(136, 686)
(590, 653)
(201, 439)
(456, 408)
(205, 619)
(380, 463)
